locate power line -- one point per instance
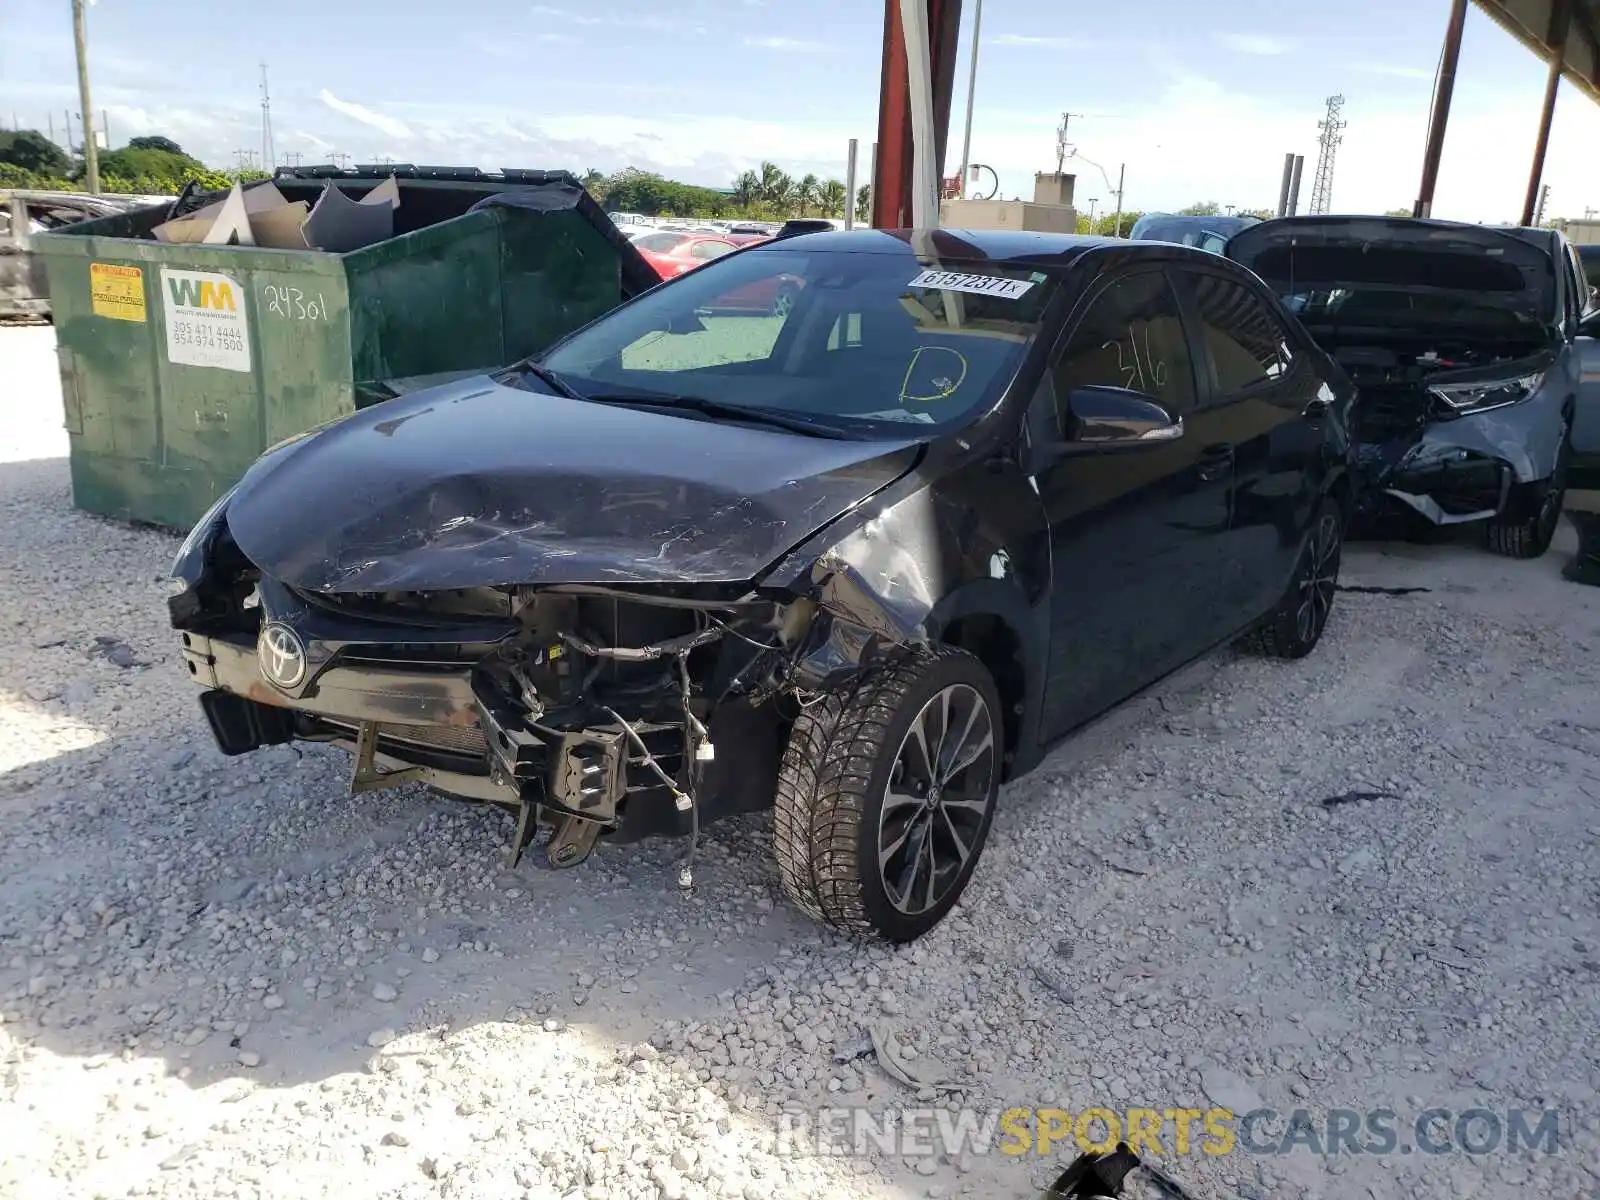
(1332, 127)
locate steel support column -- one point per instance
(891, 174)
(1560, 28)
(1440, 119)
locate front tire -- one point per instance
(1294, 627)
(1531, 535)
(886, 794)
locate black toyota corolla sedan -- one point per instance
(858, 557)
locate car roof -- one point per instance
(1000, 246)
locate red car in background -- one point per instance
(674, 253)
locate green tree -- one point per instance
(1260, 214)
(864, 204)
(1205, 208)
(153, 142)
(1398, 212)
(746, 189)
(1106, 224)
(32, 151)
(775, 185)
(833, 198)
(131, 162)
(808, 193)
(594, 182)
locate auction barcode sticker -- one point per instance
(978, 285)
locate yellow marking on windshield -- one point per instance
(946, 384)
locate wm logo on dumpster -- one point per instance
(190, 292)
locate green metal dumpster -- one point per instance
(181, 363)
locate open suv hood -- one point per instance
(1397, 271)
(475, 484)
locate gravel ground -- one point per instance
(227, 977)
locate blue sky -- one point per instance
(1200, 102)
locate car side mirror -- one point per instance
(1112, 418)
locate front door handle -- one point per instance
(1215, 462)
(1316, 410)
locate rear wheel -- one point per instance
(1294, 627)
(887, 792)
(1530, 535)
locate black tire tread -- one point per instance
(1276, 636)
(1520, 539)
(833, 749)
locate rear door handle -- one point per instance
(1215, 462)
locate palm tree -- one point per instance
(594, 182)
(774, 183)
(833, 198)
(808, 192)
(746, 189)
(864, 204)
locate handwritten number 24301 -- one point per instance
(292, 304)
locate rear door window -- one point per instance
(1247, 343)
(1130, 336)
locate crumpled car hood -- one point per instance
(475, 484)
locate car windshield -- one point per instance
(867, 341)
(660, 243)
(1186, 230)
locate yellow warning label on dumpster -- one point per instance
(116, 291)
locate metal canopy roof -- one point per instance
(1538, 25)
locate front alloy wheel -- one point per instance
(887, 792)
(937, 799)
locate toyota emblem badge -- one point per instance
(282, 656)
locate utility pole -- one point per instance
(292, 158)
(972, 87)
(245, 159)
(1063, 147)
(1122, 174)
(269, 156)
(1332, 127)
(1093, 200)
(91, 153)
(1544, 198)
(850, 185)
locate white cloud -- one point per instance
(367, 116)
(798, 45)
(1257, 43)
(1037, 40)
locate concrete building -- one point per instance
(1050, 210)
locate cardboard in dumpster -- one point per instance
(263, 216)
(340, 223)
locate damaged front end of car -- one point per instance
(593, 711)
(1453, 441)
